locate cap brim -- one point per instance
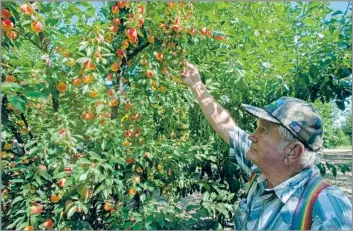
(259, 113)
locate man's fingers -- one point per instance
(189, 65)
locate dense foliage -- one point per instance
(98, 130)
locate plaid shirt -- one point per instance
(274, 208)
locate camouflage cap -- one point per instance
(297, 116)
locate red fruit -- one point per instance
(7, 24)
(159, 56)
(209, 33)
(29, 228)
(107, 207)
(176, 28)
(114, 102)
(122, 4)
(131, 33)
(178, 21)
(114, 67)
(135, 116)
(120, 52)
(5, 13)
(141, 21)
(10, 78)
(116, 21)
(127, 106)
(125, 44)
(132, 40)
(89, 65)
(151, 39)
(61, 182)
(110, 77)
(88, 116)
(36, 27)
(115, 9)
(42, 167)
(204, 31)
(141, 9)
(131, 16)
(130, 160)
(219, 38)
(36, 208)
(192, 31)
(87, 78)
(113, 29)
(26, 9)
(48, 223)
(76, 82)
(67, 169)
(61, 87)
(127, 133)
(111, 92)
(149, 73)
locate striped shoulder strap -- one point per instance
(303, 213)
(252, 180)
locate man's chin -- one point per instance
(249, 154)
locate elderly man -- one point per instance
(285, 189)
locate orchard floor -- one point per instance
(333, 156)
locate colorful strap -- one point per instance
(303, 213)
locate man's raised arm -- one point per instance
(218, 117)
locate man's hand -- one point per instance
(190, 74)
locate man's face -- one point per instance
(265, 147)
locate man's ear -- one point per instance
(293, 152)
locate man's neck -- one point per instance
(275, 178)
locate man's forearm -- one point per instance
(218, 117)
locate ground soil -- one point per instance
(339, 156)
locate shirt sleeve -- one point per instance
(332, 211)
(239, 145)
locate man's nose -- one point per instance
(252, 137)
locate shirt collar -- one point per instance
(286, 189)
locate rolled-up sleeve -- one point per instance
(239, 145)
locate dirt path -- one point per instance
(339, 156)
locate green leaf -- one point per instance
(61, 175)
(82, 60)
(34, 220)
(103, 144)
(99, 189)
(17, 102)
(29, 144)
(38, 180)
(71, 211)
(82, 191)
(17, 221)
(83, 177)
(83, 161)
(10, 87)
(337, 12)
(35, 94)
(313, 71)
(17, 199)
(161, 219)
(89, 51)
(45, 175)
